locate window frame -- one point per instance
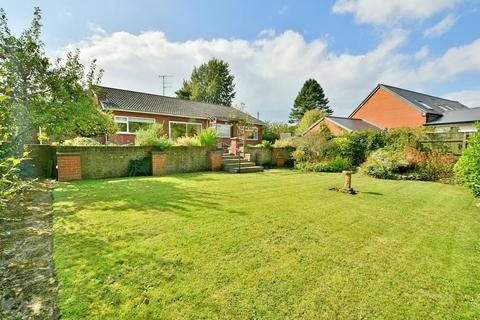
(214, 126)
(186, 123)
(127, 120)
(255, 129)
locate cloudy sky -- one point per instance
(348, 46)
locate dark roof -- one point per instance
(133, 101)
(349, 124)
(420, 101)
(459, 116)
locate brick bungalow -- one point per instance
(133, 110)
(391, 107)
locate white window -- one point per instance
(183, 129)
(251, 133)
(132, 124)
(223, 130)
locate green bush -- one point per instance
(188, 141)
(309, 118)
(467, 169)
(338, 164)
(208, 137)
(272, 131)
(152, 136)
(409, 163)
(80, 141)
(265, 144)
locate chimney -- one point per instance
(258, 115)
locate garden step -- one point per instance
(228, 161)
(247, 169)
(228, 166)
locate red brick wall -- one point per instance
(389, 111)
(336, 130)
(69, 167)
(158, 163)
(215, 160)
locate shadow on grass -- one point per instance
(372, 193)
(168, 194)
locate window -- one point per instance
(131, 124)
(223, 130)
(425, 105)
(182, 129)
(251, 133)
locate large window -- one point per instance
(251, 133)
(223, 130)
(182, 129)
(131, 124)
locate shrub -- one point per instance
(309, 118)
(287, 143)
(80, 141)
(152, 136)
(188, 141)
(356, 146)
(384, 164)
(265, 144)
(272, 130)
(208, 137)
(409, 163)
(467, 169)
(338, 164)
(315, 147)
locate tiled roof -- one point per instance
(459, 116)
(349, 124)
(133, 101)
(425, 102)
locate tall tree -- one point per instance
(211, 82)
(310, 97)
(56, 97)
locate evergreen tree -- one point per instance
(310, 97)
(211, 82)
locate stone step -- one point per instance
(228, 166)
(247, 169)
(234, 160)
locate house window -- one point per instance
(182, 129)
(132, 124)
(223, 130)
(251, 133)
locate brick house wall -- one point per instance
(127, 138)
(389, 111)
(336, 130)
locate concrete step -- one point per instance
(247, 169)
(228, 166)
(228, 161)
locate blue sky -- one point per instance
(274, 46)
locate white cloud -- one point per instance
(269, 72)
(441, 27)
(389, 12)
(470, 98)
(270, 33)
(422, 53)
(95, 28)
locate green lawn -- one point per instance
(270, 245)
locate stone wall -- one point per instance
(265, 156)
(113, 161)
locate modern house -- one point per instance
(391, 107)
(133, 110)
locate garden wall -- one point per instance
(265, 156)
(112, 161)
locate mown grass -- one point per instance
(268, 245)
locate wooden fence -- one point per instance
(453, 143)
